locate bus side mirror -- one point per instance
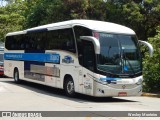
(148, 45)
(95, 42)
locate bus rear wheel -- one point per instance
(16, 76)
(69, 87)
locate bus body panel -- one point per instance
(103, 90)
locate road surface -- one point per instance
(34, 97)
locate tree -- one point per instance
(96, 9)
(140, 15)
(44, 12)
(151, 69)
(11, 19)
(143, 17)
(48, 11)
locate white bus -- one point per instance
(80, 56)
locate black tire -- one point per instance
(16, 76)
(69, 87)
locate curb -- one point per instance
(151, 95)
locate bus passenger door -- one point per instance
(87, 60)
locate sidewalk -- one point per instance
(151, 95)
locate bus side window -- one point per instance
(40, 39)
(62, 39)
(52, 40)
(68, 40)
(81, 31)
(8, 42)
(14, 42)
(27, 42)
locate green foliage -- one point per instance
(11, 19)
(96, 9)
(151, 69)
(45, 12)
(142, 16)
(48, 11)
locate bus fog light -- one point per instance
(100, 90)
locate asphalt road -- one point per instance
(34, 97)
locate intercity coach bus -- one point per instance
(90, 57)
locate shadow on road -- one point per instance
(42, 89)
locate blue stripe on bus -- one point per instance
(39, 57)
(109, 79)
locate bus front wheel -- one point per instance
(69, 87)
(16, 76)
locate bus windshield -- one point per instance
(119, 54)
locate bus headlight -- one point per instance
(104, 82)
(99, 80)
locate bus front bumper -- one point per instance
(117, 90)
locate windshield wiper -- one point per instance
(113, 74)
(126, 59)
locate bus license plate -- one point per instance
(122, 94)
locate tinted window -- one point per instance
(14, 42)
(88, 55)
(81, 31)
(35, 41)
(62, 39)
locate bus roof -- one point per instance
(91, 24)
(16, 33)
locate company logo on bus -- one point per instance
(67, 59)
